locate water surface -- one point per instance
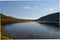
(32, 30)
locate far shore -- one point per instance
(22, 21)
(47, 21)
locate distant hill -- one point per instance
(50, 17)
(2, 16)
(8, 19)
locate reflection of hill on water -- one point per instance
(51, 24)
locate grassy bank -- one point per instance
(4, 36)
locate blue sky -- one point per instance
(29, 9)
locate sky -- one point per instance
(29, 9)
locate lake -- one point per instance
(31, 30)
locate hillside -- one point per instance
(8, 19)
(50, 17)
(2, 16)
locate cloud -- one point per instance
(26, 7)
(50, 9)
(29, 7)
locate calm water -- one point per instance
(32, 30)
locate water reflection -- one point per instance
(51, 24)
(31, 30)
(54, 25)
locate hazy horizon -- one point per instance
(28, 9)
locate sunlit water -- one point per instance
(31, 30)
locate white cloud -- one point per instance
(26, 7)
(30, 7)
(50, 9)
